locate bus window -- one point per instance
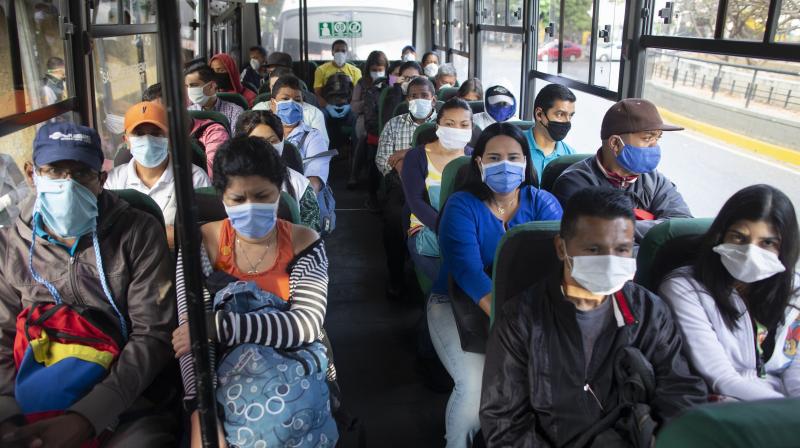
(746, 19)
(688, 18)
(788, 24)
(515, 12)
(501, 63)
(609, 47)
(547, 36)
(189, 41)
(577, 35)
(123, 68)
(107, 12)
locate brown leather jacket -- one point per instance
(140, 273)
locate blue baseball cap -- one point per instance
(55, 142)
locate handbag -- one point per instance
(471, 322)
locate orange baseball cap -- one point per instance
(146, 112)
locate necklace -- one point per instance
(253, 266)
(501, 208)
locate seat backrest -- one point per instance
(235, 98)
(523, 125)
(219, 117)
(445, 93)
(476, 106)
(292, 158)
(266, 96)
(210, 207)
(667, 246)
(454, 170)
(525, 256)
(422, 135)
(400, 109)
(143, 202)
(199, 157)
(557, 166)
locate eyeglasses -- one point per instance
(80, 175)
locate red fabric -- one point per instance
(372, 139)
(616, 180)
(622, 303)
(643, 215)
(233, 74)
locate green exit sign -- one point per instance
(333, 30)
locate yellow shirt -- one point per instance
(327, 69)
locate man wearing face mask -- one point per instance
(253, 72)
(150, 171)
(53, 88)
(337, 65)
(627, 161)
(69, 233)
(500, 105)
(446, 77)
(201, 88)
(580, 335)
(553, 110)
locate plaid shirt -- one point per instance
(396, 135)
(230, 110)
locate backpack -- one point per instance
(272, 397)
(371, 99)
(338, 85)
(325, 199)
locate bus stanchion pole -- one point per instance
(188, 234)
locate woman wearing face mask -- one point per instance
(264, 124)
(738, 306)
(471, 90)
(374, 70)
(497, 194)
(430, 64)
(228, 77)
(422, 181)
(253, 244)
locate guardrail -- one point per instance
(776, 88)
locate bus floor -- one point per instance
(374, 339)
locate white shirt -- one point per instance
(299, 183)
(162, 192)
(483, 120)
(312, 116)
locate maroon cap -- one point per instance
(633, 115)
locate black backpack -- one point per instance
(338, 86)
(372, 97)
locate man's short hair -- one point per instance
(281, 71)
(152, 93)
(291, 82)
(551, 93)
(411, 64)
(203, 71)
(598, 202)
(447, 70)
(261, 50)
(54, 63)
(421, 81)
(337, 42)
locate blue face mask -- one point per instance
(253, 220)
(503, 177)
(147, 150)
(639, 160)
(67, 208)
(290, 112)
(338, 111)
(501, 111)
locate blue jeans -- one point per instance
(428, 265)
(461, 417)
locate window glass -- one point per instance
(123, 68)
(609, 48)
(547, 36)
(577, 38)
(487, 14)
(688, 18)
(788, 29)
(458, 26)
(515, 12)
(7, 91)
(363, 25)
(437, 23)
(500, 12)
(189, 42)
(501, 63)
(107, 12)
(462, 67)
(746, 19)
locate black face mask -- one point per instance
(224, 81)
(557, 130)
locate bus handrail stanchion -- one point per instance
(187, 231)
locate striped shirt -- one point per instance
(301, 324)
(396, 135)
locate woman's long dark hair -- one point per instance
(766, 299)
(472, 182)
(375, 58)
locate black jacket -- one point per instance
(535, 376)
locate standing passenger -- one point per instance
(228, 77)
(553, 110)
(338, 65)
(201, 88)
(499, 104)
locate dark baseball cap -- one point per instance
(633, 115)
(279, 58)
(55, 142)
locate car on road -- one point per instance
(549, 51)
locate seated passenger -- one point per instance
(553, 110)
(209, 134)
(278, 59)
(253, 73)
(497, 194)
(559, 355)
(201, 88)
(252, 244)
(311, 114)
(499, 106)
(228, 77)
(374, 69)
(338, 65)
(430, 64)
(471, 90)
(13, 189)
(739, 304)
(398, 88)
(627, 161)
(265, 124)
(446, 76)
(408, 54)
(53, 88)
(422, 181)
(150, 171)
(67, 234)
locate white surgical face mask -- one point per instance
(409, 57)
(340, 59)
(445, 85)
(431, 70)
(255, 63)
(420, 108)
(197, 95)
(453, 139)
(377, 75)
(749, 263)
(602, 274)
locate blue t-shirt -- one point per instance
(538, 158)
(469, 234)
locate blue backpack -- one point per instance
(272, 397)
